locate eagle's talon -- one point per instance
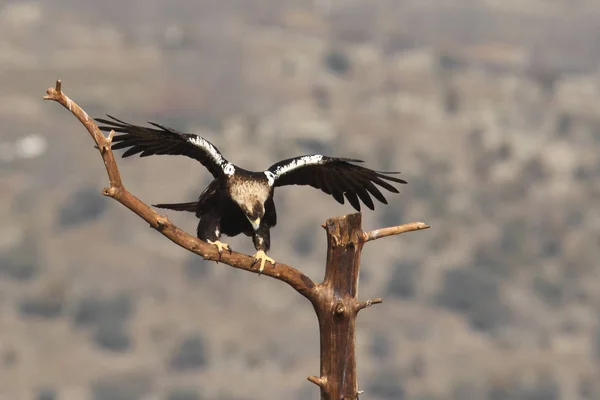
(263, 258)
(220, 246)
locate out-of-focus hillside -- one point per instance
(491, 110)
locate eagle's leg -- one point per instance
(209, 230)
(262, 243)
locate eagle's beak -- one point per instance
(255, 224)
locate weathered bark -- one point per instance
(337, 306)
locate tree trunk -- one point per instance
(337, 306)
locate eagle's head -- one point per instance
(250, 194)
(254, 212)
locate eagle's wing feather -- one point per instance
(338, 177)
(147, 141)
(191, 206)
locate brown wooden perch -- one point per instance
(335, 300)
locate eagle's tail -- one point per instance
(191, 207)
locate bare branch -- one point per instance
(285, 273)
(101, 142)
(109, 140)
(321, 382)
(393, 230)
(368, 303)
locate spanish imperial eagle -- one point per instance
(240, 201)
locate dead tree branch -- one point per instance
(393, 230)
(300, 282)
(335, 300)
(337, 303)
(368, 303)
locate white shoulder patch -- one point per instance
(270, 177)
(299, 162)
(229, 169)
(209, 148)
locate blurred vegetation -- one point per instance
(190, 354)
(492, 120)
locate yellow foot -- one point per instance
(262, 257)
(220, 246)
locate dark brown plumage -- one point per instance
(240, 201)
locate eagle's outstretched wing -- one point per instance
(164, 140)
(334, 176)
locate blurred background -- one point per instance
(490, 108)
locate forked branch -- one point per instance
(335, 300)
(300, 282)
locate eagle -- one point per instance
(241, 201)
